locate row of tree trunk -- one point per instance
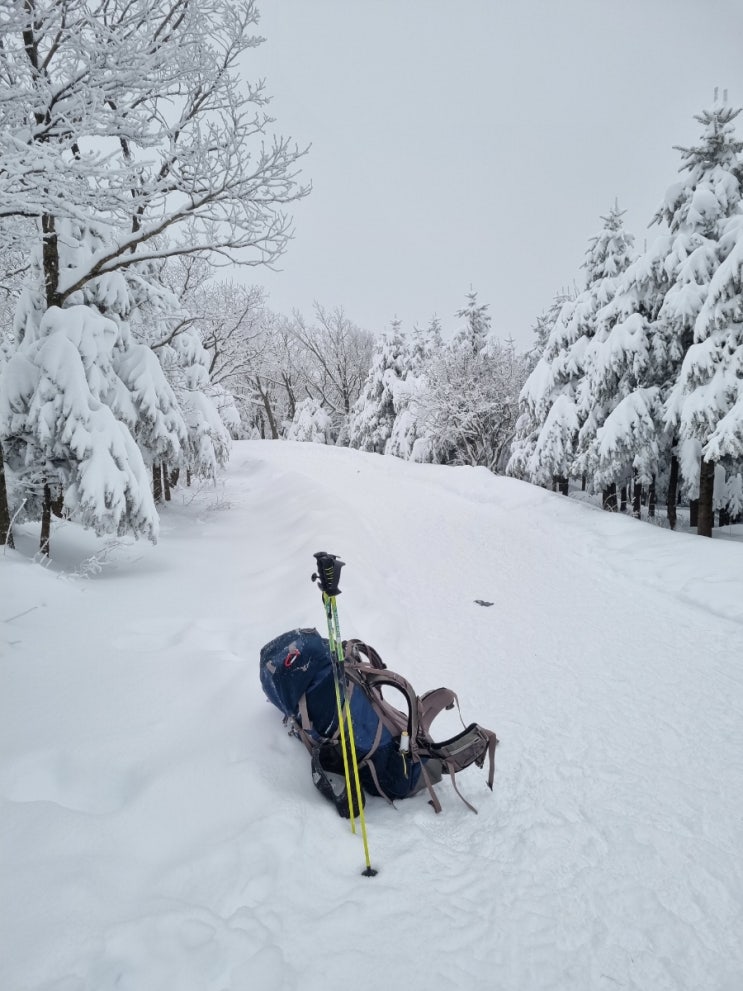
(164, 481)
(701, 511)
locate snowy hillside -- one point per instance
(159, 830)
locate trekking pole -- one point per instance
(327, 577)
(339, 683)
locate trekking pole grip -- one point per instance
(328, 572)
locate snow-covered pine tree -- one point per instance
(645, 331)
(552, 384)
(425, 343)
(551, 459)
(408, 439)
(628, 436)
(144, 310)
(186, 363)
(373, 415)
(84, 407)
(311, 423)
(167, 328)
(608, 256)
(542, 326)
(552, 412)
(532, 410)
(701, 321)
(617, 363)
(472, 337)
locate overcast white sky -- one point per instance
(479, 141)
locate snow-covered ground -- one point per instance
(159, 830)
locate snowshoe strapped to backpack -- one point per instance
(397, 755)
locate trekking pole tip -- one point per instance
(369, 872)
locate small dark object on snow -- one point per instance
(482, 602)
(397, 757)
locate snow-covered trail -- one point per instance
(163, 827)
(610, 823)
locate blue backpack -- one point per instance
(296, 673)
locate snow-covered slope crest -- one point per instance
(159, 830)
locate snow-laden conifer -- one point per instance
(702, 314)
(409, 438)
(707, 402)
(80, 393)
(532, 409)
(62, 436)
(645, 331)
(311, 423)
(373, 415)
(553, 406)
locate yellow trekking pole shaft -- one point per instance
(337, 646)
(327, 577)
(344, 750)
(355, 764)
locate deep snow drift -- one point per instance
(159, 830)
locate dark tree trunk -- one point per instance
(174, 476)
(724, 516)
(583, 483)
(610, 498)
(271, 418)
(50, 259)
(166, 482)
(58, 506)
(291, 398)
(637, 500)
(560, 484)
(157, 482)
(651, 499)
(266, 400)
(693, 512)
(6, 530)
(705, 520)
(672, 497)
(623, 499)
(46, 521)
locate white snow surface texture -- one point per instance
(159, 830)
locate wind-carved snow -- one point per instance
(160, 829)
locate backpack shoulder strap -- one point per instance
(359, 652)
(430, 704)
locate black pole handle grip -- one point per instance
(328, 572)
